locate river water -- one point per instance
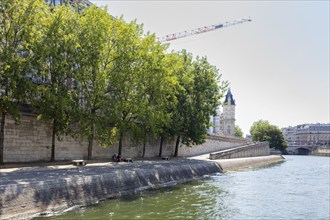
(298, 188)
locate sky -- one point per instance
(277, 65)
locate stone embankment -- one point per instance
(321, 152)
(33, 191)
(249, 150)
(248, 162)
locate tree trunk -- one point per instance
(2, 136)
(91, 137)
(161, 146)
(120, 145)
(144, 146)
(90, 148)
(177, 146)
(90, 143)
(52, 156)
(144, 149)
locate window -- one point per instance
(57, 2)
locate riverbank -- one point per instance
(248, 162)
(33, 191)
(47, 190)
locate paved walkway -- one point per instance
(36, 173)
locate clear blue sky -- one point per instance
(278, 64)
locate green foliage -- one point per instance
(104, 76)
(19, 31)
(94, 64)
(57, 63)
(198, 96)
(238, 131)
(264, 131)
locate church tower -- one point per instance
(227, 119)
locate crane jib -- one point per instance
(218, 26)
(200, 30)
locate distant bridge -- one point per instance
(309, 150)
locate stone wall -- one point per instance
(248, 162)
(31, 141)
(321, 152)
(28, 141)
(250, 150)
(209, 146)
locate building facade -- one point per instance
(308, 134)
(215, 122)
(60, 2)
(224, 123)
(227, 119)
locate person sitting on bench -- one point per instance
(116, 158)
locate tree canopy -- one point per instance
(20, 25)
(263, 131)
(238, 131)
(100, 78)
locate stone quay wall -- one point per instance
(31, 141)
(250, 150)
(325, 151)
(42, 191)
(248, 162)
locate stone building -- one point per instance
(224, 123)
(307, 134)
(227, 119)
(215, 122)
(60, 2)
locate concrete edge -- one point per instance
(74, 192)
(248, 162)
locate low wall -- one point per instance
(210, 145)
(31, 141)
(250, 150)
(242, 163)
(23, 194)
(321, 152)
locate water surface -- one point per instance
(295, 189)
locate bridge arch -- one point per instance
(303, 151)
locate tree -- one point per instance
(19, 32)
(158, 85)
(166, 124)
(140, 82)
(238, 131)
(263, 131)
(57, 51)
(197, 100)
(95, 54)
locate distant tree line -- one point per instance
(96, 77)
(262, 130)
(238, 131)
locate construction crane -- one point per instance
(201, 30)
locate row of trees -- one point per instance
(96, 77)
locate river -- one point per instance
(298, 188)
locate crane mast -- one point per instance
(201, 30)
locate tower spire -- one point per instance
(229, 98)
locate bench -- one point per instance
(79, 162)
(128, 160)
(164, 158)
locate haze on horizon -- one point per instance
(277, 65)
